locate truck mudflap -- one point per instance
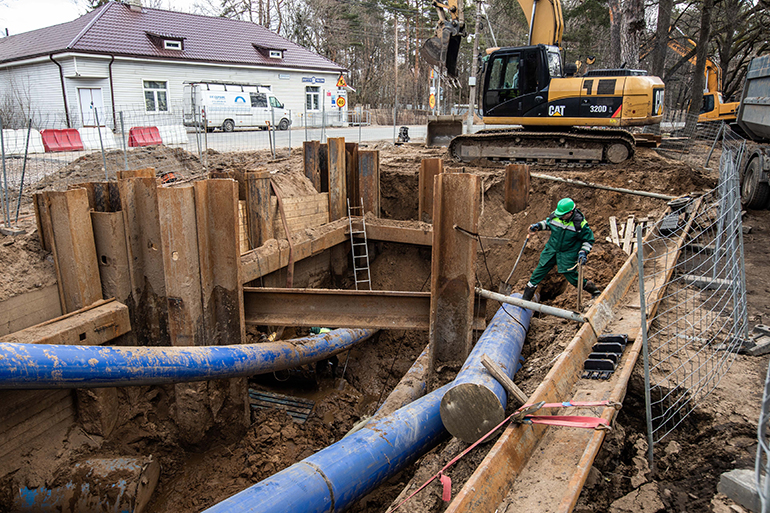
(755, 189)
(577, 145)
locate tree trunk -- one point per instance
(633, 25)
(615, 26)
(661, 38)
(700, 66)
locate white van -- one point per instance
(230, 106)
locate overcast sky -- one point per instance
(24, 15)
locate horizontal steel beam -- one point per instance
(375, 309)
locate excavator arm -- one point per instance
(546, 24)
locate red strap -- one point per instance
(567, 421)
(446, 482)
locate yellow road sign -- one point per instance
(341, 82)
(340, 101)
(432, 101)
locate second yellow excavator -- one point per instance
(565, 118)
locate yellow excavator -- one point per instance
(713, 108)
(529, 86)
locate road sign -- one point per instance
(432, 101)
(340, 101)
(341, 82)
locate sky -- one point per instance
(24, 15)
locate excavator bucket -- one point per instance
(443, 51)
(442, 129)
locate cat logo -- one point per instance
(657, 102)
(556, 110)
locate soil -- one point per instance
(719, 436)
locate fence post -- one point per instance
(4, 196)
(645, 348)
(23, 169)
(101, 144)
(123, 139)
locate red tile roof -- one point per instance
(115, 29)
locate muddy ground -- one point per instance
(720, 436)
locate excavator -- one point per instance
(713, 108)
(565, 118)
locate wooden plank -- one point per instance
(299, 223)
(243, 227)
(351, 177)
(258, 207)
(387, 230)
(517, 182)
(61, 411)
(614, 230)
(337, 179)
(216, 211)
(456, 203)
(311, 151)
(147, 172)
(29, 403)
(301, 205)
(112, 254)
(504, 380)
(179, 246)
(43, 220)
(25, 310)
(429, 169)
(94, 325)
(73, 237)
(139, 202)
(369, 180)
(629, 233)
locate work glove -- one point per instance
(535, 227)
(582, 257)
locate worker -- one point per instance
(570, 242)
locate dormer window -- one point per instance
(270, 52)
(276, 54)
(170, 44)
(166, 41)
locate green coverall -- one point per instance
(565, 242)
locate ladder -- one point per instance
(359, 250)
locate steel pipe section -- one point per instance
(43, 366)
(475, 402)
(334, 478)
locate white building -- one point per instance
(125, 58)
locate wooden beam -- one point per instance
(337, 179)
(516, 187)
(75, 255)
(369, 180)
(351, 167)
(311, 151)
(429, 169)
(453, 277)
(399, 231)
(504, 380)
(112, 254)
(258, 208)
(93, 325)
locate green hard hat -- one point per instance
(564, 206)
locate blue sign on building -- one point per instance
(313, 80)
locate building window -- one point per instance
(312, 98)
(276, 54)
(155, 96)
(169, 44)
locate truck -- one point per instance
(753, 123)
(231, 105)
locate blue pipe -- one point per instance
(41, 366)
(334, 478)
(475, 402)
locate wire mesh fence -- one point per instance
(692, 275)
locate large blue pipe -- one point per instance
(41, 366)
(476, 401)
(334, 478)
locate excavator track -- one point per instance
(576, 146)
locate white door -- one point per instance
(91, 106)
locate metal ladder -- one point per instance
(359, 250)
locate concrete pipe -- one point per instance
(42, 366)
(475, 401)
(334, 478)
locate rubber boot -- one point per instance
(529, 293)
(592, 289)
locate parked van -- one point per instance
(229, 106)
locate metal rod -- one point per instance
(23, 170)
(123, 137)
(4, 196)
(645, 348)
(101, 143)
(713, 145)
(603, 187)
(537, 307)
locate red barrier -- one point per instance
(67, 139)
(144, 136)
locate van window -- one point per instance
(275, 103)
(258, 100)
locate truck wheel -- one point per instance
(284, 124)
(754, 192)
(228, 125)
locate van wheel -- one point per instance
(228, 125)
(284, 124)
